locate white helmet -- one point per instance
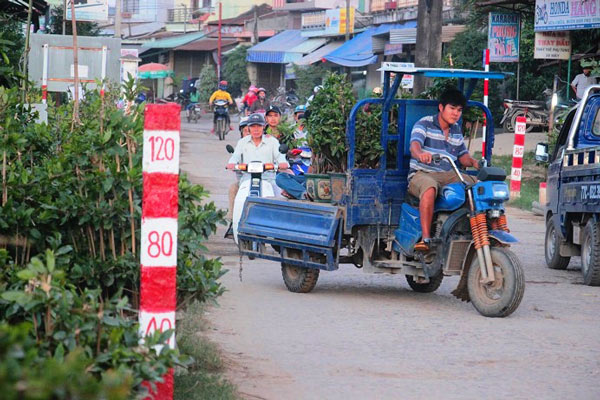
(317, 88)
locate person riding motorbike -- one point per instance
(273, 117)
(261, 104)
(233, 188)
(258, 147)
(249, 99)
(293, 185)
(194, 99)
(300, 131)
(437, 134)
(221, 94)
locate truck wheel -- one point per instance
(433, 284)
(501, 297)
(299, 279)
(551, 248)
(590, 254)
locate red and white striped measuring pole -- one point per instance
(486, 86)
(158, 251)
(517, 163)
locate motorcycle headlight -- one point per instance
(500, 191)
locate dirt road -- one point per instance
(360, 336)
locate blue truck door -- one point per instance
(555, 166)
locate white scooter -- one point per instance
(254, 186)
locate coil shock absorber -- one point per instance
(484, 240)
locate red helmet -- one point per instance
(223, 85)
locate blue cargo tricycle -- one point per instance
(373, 223)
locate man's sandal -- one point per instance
(423, 245)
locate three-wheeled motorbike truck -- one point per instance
(373, 223)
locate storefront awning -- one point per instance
(318, 54)
(358, 51)
(277, 50)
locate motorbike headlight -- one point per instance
(500, 191)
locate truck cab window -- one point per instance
(596, 126)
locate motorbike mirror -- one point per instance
(229, 148)
(541, 152)
(283, 148)
(436, 158)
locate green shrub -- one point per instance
(208, 82)
(235, 72)
(75, 189)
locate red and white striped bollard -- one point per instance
(518, 152)
(158, 251)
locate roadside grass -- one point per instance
(203, 380)
(532, 175)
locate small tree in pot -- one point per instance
(326, 124)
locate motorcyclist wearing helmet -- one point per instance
(234, 187)
(300, 132)
(261, 104)
(249, 98)
(273, 118)
(221, 94)
(244, 129)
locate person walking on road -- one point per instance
(582, 82)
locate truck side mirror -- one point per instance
(541, 152)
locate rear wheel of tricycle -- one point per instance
(501, 297)
(590, 254)
(551, 248)
(299, 279)
(431, 286)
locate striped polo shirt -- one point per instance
(428, 133)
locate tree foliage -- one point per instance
(235, 72)
(307, 78)
(12, 43)
(207, 82)
(83, 28)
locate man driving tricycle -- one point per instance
(376, 222)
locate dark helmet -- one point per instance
(273, 108)
(243, 122)
(223, 85)
(256, 119)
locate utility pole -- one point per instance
(25, 59)
(118, 19)
(255, 27)
(219, 44)
(347, 37)
(428, 52)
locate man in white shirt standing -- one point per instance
(582, 82)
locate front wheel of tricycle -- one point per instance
(501, 297)
(299, 279)
(431, 286)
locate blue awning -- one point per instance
(358, 51)
(274, 50)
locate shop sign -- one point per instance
(503, 37)
(552, 45)
(564, 15)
